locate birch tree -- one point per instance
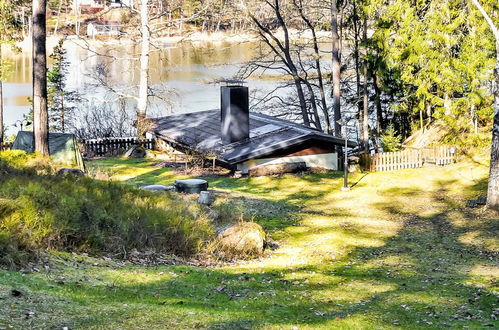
(9, 34)
(145, 45)
(145, 25)
(493, 189)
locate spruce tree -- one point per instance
(61, 102)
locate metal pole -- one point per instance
(345, 166)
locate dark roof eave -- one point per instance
(277, 147)
(335, 140)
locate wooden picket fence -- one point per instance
(6, 146)
(112, 146)
(410, 158)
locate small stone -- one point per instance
(70, 171)
(157, 187)
(15, 293)
(206, 198)
(135, 152)
(481, 200)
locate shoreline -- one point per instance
(195, 37)
(172, 41)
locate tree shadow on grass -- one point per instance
(421, 277)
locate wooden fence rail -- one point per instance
(112, 146)
(410, 158)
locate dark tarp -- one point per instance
(62, 148)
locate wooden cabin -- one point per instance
(241, 140)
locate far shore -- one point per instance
(171, 41)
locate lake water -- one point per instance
(186, 72)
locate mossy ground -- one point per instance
(400, 250)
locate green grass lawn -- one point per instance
(399, 250)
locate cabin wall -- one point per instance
(307, 148)
(327, 161)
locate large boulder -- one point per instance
(240, 240)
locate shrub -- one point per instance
(39, 212)
(390, 141)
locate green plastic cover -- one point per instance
(62, 148)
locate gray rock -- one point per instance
(157, 187)
(191, 186)
(70, 171)
(206, 198)
(353, 160)
(241, 239)
(135, 152)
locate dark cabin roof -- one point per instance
(200, 131)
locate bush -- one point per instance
(390, 141)
(40, 212)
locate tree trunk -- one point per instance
(40, 111)
(63, 116)
(23, 18)
(313, 103)
(1, 102)
(421, 124)
(379, 110)
(365, 112)
(336, 93)
(356, 56)
(58, 16)
(474, 119)
(325, 110)
(429, 111)
(301, 98)
(144, 70)
(493, 189)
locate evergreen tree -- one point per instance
(390, 141)
(440, 53)
(61, 103)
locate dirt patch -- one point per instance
(180, 169)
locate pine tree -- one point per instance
(40, 123)
(439, 54)
(61, 102)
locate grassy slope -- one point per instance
(398, 251)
